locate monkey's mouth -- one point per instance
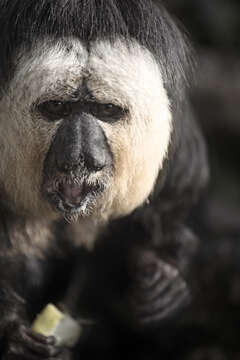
(70, 197)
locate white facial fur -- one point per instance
(125, 76)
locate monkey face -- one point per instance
(83, 130)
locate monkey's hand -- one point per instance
(158, 289)
(21, 342)
(17, 339)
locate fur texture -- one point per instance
(118, 71)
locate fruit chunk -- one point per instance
(51, 321)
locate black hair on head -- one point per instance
(22, 22)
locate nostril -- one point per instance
(68, 166)
(92, 164)
(97, 167)
(95, 163)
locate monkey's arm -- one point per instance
(164, 259)
(23, 288)
(17, 338)
(163, 256)
(139, 275)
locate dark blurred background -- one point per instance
(214, 323)
(214, 27)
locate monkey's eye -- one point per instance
(54, 109)
(106, 112)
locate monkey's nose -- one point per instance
(80, 143)
(95, 149)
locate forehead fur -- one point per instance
(125, 74)
(24, 23)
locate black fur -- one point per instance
(157, 244)
(23, 22)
